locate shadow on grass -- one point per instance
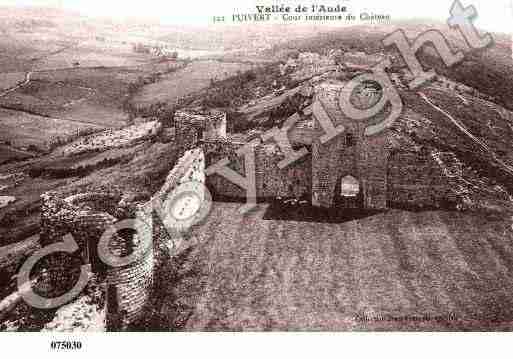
(307, 213)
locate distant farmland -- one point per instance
(93, 95)
(11, 79)
(23, 130)
(9, 154)
(194, 77)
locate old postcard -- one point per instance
(255, 166)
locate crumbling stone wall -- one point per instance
(334, 159)
(350, 153)
(190, 167)
(294, 181)
(186, 138)
(329, 164)
(86, 217)
(72, 215)
(192, 126)
(416, 179)
(374, 155)
(214, 152)
(132, 283)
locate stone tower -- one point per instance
(350, 162)
(192, 126)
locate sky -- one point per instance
(494, 15)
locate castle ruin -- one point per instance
(350, 171)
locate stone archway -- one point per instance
(348, 193)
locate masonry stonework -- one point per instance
(86, 217)
(190, 167)
(351, 153)
(294, 181)
(416, 179)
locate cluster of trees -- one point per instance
(223, 93)
(240, 88)
(160, 110)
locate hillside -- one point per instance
(489, 71)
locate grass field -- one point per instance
(96, 95)
(10, 79)
(92, 54)
(93, 95)
(8, 153)
(193, 78)
(23, 130)
(255, 274)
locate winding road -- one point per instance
(21, 84)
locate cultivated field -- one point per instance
(93, 95)
(253, 274)
(22, 129)
(193, 78)
(90, 53)
(8, 153)
(10, 79)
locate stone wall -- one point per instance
(294, 181)
(334, 159)
(415, 179)
(186, 138)
(73, 215)
(351, 153)
(132, 283)
(372, 167)
(208, 125)
(330, 163)
(86, 217)
(190, 167)
(214, 152)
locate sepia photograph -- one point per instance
(245, 166)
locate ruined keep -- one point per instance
(352, 170)
(351, 157)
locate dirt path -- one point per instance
(12, 89)
(476, 140)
